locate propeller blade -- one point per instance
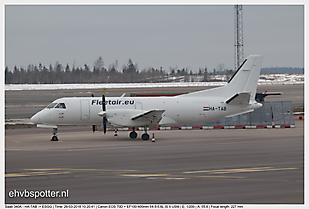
(104, 125)
(103, 103)
(93, 126)
(104, 109)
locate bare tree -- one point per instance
(220, 68)
(99, 64)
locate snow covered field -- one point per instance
(283, 79)
(270, 79)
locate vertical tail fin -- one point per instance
(244, 82)
(246, 77)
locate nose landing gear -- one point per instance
(54, 136)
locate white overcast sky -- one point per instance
(152, 36)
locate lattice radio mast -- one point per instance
(239, 40)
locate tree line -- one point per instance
(59, 74)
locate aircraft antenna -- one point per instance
(239, 40)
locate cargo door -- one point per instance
(138, 106)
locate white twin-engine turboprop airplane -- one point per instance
(235, 98)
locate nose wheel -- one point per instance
(54, 136)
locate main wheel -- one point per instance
(133, 135)
(145, 136)
(54, 138)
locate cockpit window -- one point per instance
(51, 105)
(60, 106)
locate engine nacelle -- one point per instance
(122, 117)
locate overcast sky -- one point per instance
(152, 36)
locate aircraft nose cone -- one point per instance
(35, 118)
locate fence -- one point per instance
(283, 113)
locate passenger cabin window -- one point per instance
(52, 105)
(60, 106)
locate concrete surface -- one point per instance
(255, 166)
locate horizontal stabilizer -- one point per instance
(239, 99)
(152, 115)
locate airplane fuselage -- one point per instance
(178, 110)
(235, 98)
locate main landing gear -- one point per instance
(54, 136)
(145, 136)
(133, 134)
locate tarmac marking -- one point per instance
(10, 175)
(281, 169)
(230, 177)
(59, 173)
(240, 170)
(82, 169)
(144, 175)
(47, 169)
(75, 169)
(27, 174)
(217, 173)
(177, 178)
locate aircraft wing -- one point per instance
(151, 115)
(239, 99)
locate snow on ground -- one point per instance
(283, 79)
(269, 79)
(13, 87)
